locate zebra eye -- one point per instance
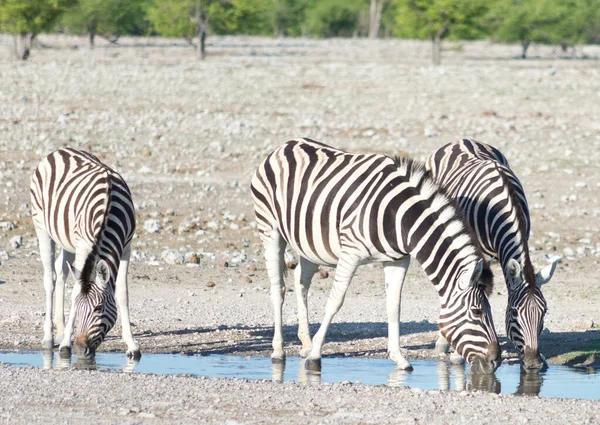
(98, 308)
(476, 312)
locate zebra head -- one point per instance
(525, 311)
(466, 319)
(95, 310)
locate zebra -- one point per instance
(492, 199)
(340, 209)
(84, 207)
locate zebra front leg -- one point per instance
(441, 345)
(47, 253)
(395, 272)
(122, 295)
(65, 346)
(274, 250)
(302, 278)
(62, 272)
(346, 267)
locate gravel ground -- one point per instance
(187, 136)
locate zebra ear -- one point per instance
(76, 273)
(543, 276)
(513, 273)
(471, 276)
(102, 273)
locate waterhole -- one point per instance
(556, 381)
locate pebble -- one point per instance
(7, 225)
(16, 241)
(170, 256)
(210, 284)
(152, 225)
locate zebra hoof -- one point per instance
(65, 352)
(278, 360)
(134, 355)
(314, 365)
(48, 344)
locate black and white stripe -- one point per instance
(493, 201)
(85, 208)
(336, 208)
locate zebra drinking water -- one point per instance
(337, 208)
(85, 207)
(493, 201)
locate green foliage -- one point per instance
(30, 16)
(289, 16)
(337, 18)
(526, 20)
(172, 18)
(581, 23)
(107, 17)
(426, 19)
(251, 17)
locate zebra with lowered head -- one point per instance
(85, 208)
(493, 201)
(340, 209)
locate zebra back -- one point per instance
(325, 201)
(490, 196)
(84, 206)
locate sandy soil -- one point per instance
(187, 136)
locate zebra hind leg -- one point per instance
(442, 347)
(47, 253)
(346, 267)
(302, 278)
(274, 250)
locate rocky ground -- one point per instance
(187, 135)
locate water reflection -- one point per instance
(51, 360)
(446, 370)
(530, 383)
(307, 376)
(61, 362)
(484, 382)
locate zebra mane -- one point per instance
(442, 201)
(87, 277)
(528, 271)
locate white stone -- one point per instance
(16, 241)
(152, 225)
(170, 256)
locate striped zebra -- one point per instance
(337, 208)
(85, 208)
(493, 201)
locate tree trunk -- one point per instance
(92, 35)
(201, 30)
(22, 45)
(525, 45)
(436, 46)
(202, 44)
(375, 17)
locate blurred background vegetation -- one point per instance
(561, 22)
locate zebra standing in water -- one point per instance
(493, 201)
(336, 208)
(85, 207)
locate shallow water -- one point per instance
(557, 381)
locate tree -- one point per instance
(107, 18)
(289, 17)
(337, 18)
(526, 21)
(193, 18)
(27, 19)
(375, 13)
(439, 19)
(581, 24)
